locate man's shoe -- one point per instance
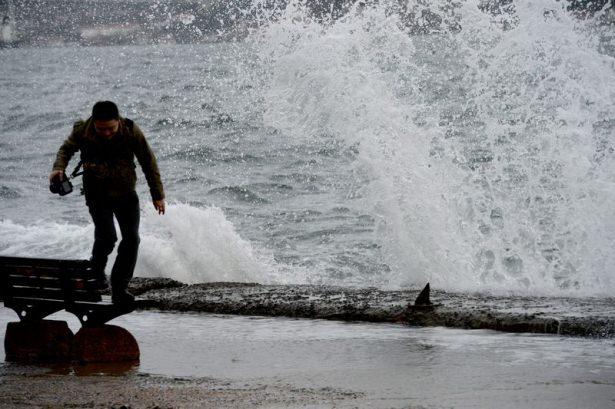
(122, 297)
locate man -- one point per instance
(108, 145)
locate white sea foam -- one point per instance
(485, 136)
(45, 240)
(199, 245)
(188, 244)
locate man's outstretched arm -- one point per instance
(147, 160)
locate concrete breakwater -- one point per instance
(593, 317)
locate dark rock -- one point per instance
(106, 343)
(38, 341)
(553, 315)
(140, 285)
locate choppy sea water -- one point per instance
(359, 151)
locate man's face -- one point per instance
(106, 129)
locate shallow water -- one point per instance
(393, 365)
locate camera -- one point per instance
(62, 187)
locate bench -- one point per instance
(36, 288)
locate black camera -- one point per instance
(62, 187)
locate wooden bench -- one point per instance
(36, 288)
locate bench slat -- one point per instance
(42, 262)
(36, 271)
(51, 282)
(30, 292)
(53, 294)
(34, 281)
(26, 300)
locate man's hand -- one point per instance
(56, 175)
(159, 205)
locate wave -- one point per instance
(485, 138)
(188, 244)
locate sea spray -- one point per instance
(46, 240)
(196, 245)
(483, 134)
(188, 244)
(328, 83)
(382, 144)
(535, 192)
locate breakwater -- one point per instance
(593, 317)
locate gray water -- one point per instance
(392, 366)
(356, 152)
(288, 199)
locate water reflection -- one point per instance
(94, 369)
(71, 369)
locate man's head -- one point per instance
(106, 118)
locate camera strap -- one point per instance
(76, 171)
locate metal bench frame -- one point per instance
(35, 288)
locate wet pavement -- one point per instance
(283, 362)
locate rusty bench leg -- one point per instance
(38, 341)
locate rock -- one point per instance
(592, 317)
(38, 341)
(140, 285)
(105, 343)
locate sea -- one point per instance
(391, 145)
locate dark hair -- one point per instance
(105, 111)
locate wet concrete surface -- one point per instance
(231, 361)
(593, 317)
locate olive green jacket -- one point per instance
(108, 165)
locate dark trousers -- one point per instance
(126, 211)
